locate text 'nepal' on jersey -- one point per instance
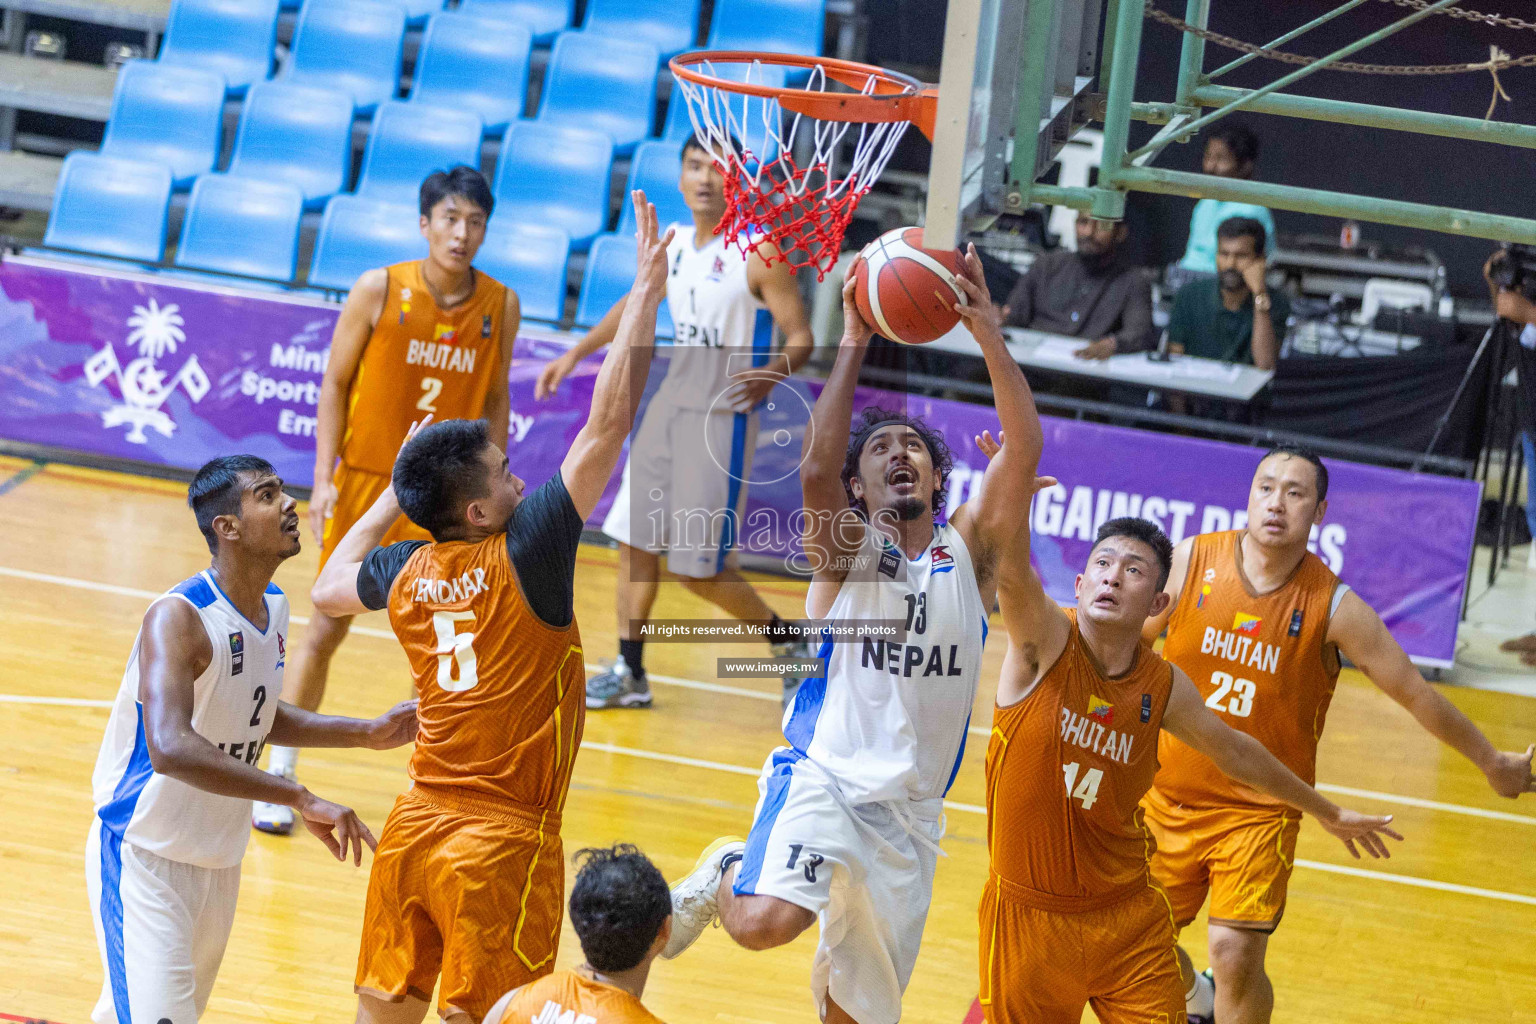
(495, 652)
(887, 720)
(1263, 664)
(721, 328)
(422, 359)
(1067, 767)
(234, 702)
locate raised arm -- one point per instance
(348, 340)
(616, 393)
(1366, 642)
(831, 534)
(1245, 759)
(174, 650)
(990, 523)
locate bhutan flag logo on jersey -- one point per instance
(1100, 710)
(444, 333)
(1246, 623)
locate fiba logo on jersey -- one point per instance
(153, 330)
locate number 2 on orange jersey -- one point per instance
(432, 387)
(454, 649)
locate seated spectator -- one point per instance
(1091, 293)
(1215, 317)
(1230, 152)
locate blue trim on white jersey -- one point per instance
(757, 840)
(273, 588)
(762, 337)
(115, 817)
(959, 755)
(240, 613)
(118, 812)
(196, 590)
(811, 694)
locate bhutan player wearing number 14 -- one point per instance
(429, 337)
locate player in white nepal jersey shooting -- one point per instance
(684, 488)
(177, 771)
(850, 812)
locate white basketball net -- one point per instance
(803, 210)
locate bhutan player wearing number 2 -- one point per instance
(1258, 623)
(468, 879)
(1071, 913)
(429, 337)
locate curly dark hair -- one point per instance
(618, 905)
(864, 426)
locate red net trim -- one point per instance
(803, 223)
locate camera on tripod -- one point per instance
(1514, 269)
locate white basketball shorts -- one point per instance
(866, 871)
(684, 489)
(161, 928)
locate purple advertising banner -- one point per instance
(129, 367)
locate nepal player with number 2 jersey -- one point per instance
(1071, 914)
(1258, 623)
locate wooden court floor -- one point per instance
(1442, 932)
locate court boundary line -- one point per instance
(949, 805)
(21, 476)
(1466, 810)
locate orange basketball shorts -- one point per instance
(469, 891)
(1043, 966)
(356, 491)
(1241, 856)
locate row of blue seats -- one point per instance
(557, 165)
(358, 44)
(119, 207)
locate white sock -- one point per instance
(1200, 1000)
(282, 760)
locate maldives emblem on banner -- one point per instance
(154, 330)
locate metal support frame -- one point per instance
(1121, 170)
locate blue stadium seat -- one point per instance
(531, 260)
(351, 45)
(602, 83)
(748, 110)
(234, 38)
(777, 26)
(111, 205)
(296, 134)
(477, 64)
(169, 115)
(418, 11)
(656, 168)
(669, 25)
(261, 216)
(555, 175)
(411, 140)
(358, 234)
(609, 277)
(544, 18)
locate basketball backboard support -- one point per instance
(1012, 70)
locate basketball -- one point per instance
(898, 285)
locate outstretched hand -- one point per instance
(338, 827)
(1366, 829)
(651, 247)
(990, 447)
(856, 331)
(1510, 773)
(983, 317)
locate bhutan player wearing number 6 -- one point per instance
(1258, 622)
(468, 879)
(1071, 913)
(430, 337)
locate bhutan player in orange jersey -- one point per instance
(468, 879)
(622, 912)
(1071, 914)
(1258, 623)
(429, 337)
